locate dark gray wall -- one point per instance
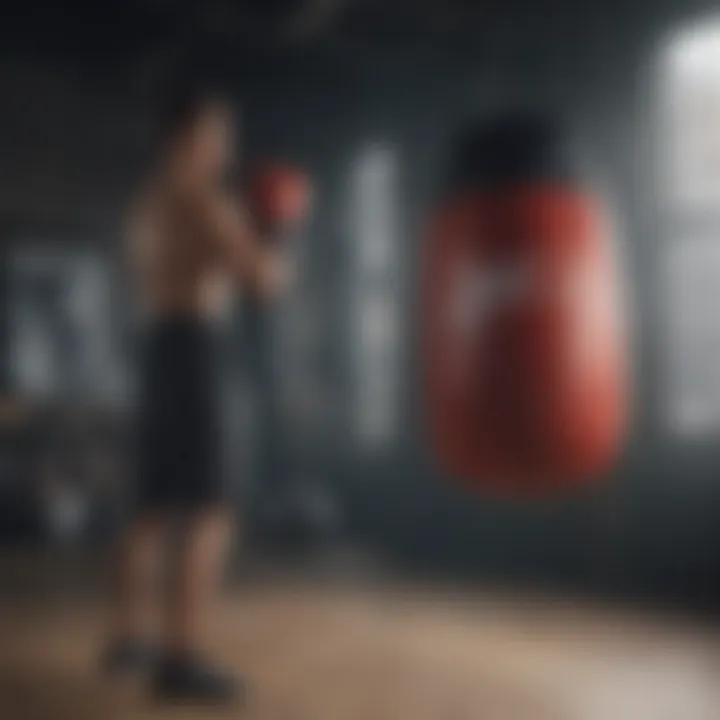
(72, 140)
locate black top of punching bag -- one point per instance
(517, 147)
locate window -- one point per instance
(63, 336)
(691, 200)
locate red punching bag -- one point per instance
(524, 345)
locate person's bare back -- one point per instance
(190, 238)
(177, 262)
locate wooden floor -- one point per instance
(314, 652)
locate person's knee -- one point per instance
(143, 537)
(149, 526)
(206, 531)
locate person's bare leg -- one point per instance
(197, 578)
(136, 578)
(184, 674)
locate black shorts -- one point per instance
(179, 423)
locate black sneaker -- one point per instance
(128, 656)
(189, 679)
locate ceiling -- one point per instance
(101, 31)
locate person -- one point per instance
(190, 242)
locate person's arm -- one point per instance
(234, 238)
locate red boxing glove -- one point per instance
(279, 198)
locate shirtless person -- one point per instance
(188, 239)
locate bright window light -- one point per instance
(690, 282)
